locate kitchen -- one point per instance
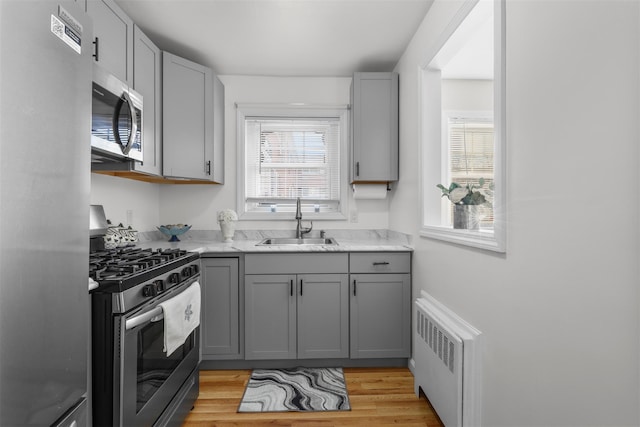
(569, 273)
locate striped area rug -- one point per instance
(297, 389)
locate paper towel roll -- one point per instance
(370, 191)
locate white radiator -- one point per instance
(447, 362)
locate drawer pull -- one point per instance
(380, 263)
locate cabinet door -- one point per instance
(113, 30)
(217, 173)
(380, 315)
(187, 92)
(374, 127)
(323, 316)
(147, 81)
(220, 329)
(270, 317)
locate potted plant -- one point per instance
(466, 200)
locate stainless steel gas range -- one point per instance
(135, 382)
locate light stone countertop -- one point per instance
(210, 241)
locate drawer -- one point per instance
(296, 263)
(380, 262)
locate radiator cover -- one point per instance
(447, 362)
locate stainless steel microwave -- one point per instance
(116, 119)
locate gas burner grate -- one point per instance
(122, 263)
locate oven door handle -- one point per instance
(149, 316)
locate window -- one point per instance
(289, 153)
(468, 141)
(463, 123)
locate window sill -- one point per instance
(483, 239)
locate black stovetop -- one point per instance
(126, 267)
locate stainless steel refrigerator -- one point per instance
(45, 130)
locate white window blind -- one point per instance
(287, 158)
(471, 158)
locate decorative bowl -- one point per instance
(174, 230)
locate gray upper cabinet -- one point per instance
(220, 327)
(147, 80)
(380, 305)
(374, 131)
(113, 38)
(218, 130)
(188, 92)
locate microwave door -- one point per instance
(128, 120)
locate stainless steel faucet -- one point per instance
(300, 230)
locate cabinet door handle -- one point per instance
(291, 288)
(208, 167)
(300, 287)
(380, 263)
(357, 168)
(354, 287)
(96, 43)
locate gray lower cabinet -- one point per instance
(323, 316)
(220, 326)
(270, 317)
(380, 305)
(304, 315)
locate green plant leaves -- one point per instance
(472, 197)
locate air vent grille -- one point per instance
(437, 340)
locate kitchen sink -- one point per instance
(293, 241)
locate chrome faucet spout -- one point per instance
(298, 211)
(300, 230)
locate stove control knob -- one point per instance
(186, 272)
(159, 284)
(149, 291)
(174, 278)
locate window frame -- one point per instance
(302, 111)
(433, 159)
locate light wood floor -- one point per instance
(378, 397)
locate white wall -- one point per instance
(155, 204)
(467, 95)
(118, 195)
(559, 311)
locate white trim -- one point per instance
(446, 34)
(292, 110)
(473, 339)
(477, 239)
(430, 130)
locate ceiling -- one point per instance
(282, 37)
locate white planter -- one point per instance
(228, 229)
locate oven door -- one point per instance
(148, 379)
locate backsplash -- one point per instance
(338, 234)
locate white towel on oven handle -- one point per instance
(181, 317)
